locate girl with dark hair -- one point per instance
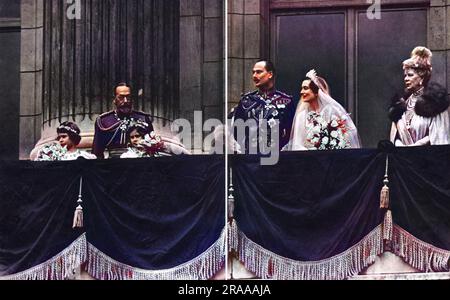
(422, 116)
(66, 148)
(142, 143)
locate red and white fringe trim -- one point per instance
(61, 267)
(419, 254)
(268, 265)
(203, 267)
(388, 226)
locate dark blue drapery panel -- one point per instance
(156, 213)
(37, 203)
(148, 213)
(311, 205)
(315, 205)
(420, 193)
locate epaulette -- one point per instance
(249, 93)
(102, 121)
(106, 114)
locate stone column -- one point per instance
(213, 59)
(201, 62)
(439, 40)
(31, 76)
(248, 27)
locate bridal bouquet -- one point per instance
(51, 152)
(323, 135)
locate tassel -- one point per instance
(231, 198)
(78, 218)
(78, 215)
(384, 195)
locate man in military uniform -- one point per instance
(111, 128)
(265, 103)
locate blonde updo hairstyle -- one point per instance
(420, 62)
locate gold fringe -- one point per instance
(203, 267)
(268, 265)
(419, 254)
(61, 267)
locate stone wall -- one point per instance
(31, 75)
(439, 40)
(201, 59)
(248, 25)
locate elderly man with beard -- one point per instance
(111, 128)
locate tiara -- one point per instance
(313, 76)
(67, 128)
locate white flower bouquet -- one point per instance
(51, 152)
(323, 135)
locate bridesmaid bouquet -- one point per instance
(152, 144)
(51, 152)
(323, 135)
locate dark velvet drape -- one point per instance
(311, 205)
(150, 214)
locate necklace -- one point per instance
(409, 115)
(410, 107)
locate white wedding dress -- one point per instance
(329, 109)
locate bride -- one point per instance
(320, 122)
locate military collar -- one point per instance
(269, 97)
(121, 118)
(266, 94)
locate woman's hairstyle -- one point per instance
(420, 62)
(72, 130)
(322, 84)
(316, 83)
